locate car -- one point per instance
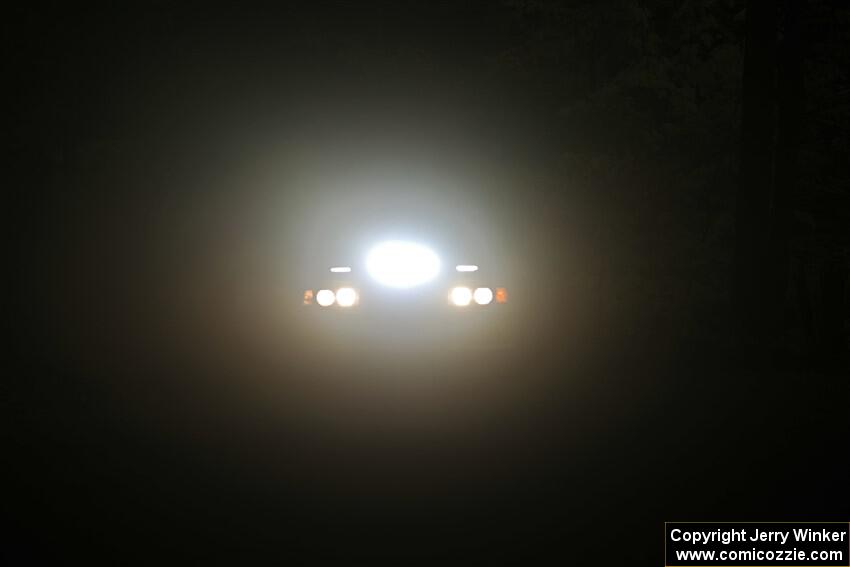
(403, 293)
(401, 265)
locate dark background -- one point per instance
(663, 183)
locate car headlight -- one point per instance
(325, 297)
(346, 297)
(483, 295)
(460, 296)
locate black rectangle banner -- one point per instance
(824, 544)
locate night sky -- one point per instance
(662, 186)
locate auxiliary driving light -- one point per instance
(482, 295)
(325, 297)
(461, 296)
(401, 264)
(346, 297)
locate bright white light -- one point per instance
(466, 268)
(325, 297)
(346, 297)
(461, 296)
(401, 264)
(341, 269)
(482, 295)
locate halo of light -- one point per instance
(483, 295)
(466, 268)
(346, 296)
(461, 296)
(341, 269)
(401, 264)
(325, 297)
